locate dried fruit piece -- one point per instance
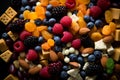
(41, 28)
(96, 36)
(44, 2)
(112, 26)
(36, 33)
(83, 1)
(46, 35)
(106, 30)
(30, 27)
(108, 16)
(25, 14)
(51, 42)
(54, 2)
(32, 15)
(74, 27)
(81, 22)
(45, 46)
(82, 8)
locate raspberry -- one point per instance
(70, 4)
(103, 4)
(24, 34)
(19, 46)
(44, 72)
(31, 55)
(66, 21)
(95, 11)
(55, 68)
(76, 43)
(67, 37)
(57, 28)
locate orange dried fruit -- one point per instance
(82, 8)
(40, 28)
(32, 15)
(30, 27)
(108, 16)
(40, 10)
(106, 30)
(51, 42)
(46, 35)
(87, 12)
(45, 46)
(36, 33)
(75, 27)
(44, 2)
(80, 14)
(81, 22)
(25, 14)
(62, 1)
(54, 2)
(112, 26)
(96, 36)
(83, 1)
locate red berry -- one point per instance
(19, 46)
(70, 4)
(31, 55)
(66, 21)
(24, 34)
(67, 37)
(44, 72)
(57, 28)
(76, 43)
(95, 11)
(103, 4)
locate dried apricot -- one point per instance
(108, 16)
(25, 14)
(106, 30)
(44, 2)
(54, 2)
(40, 28)
(36, 33)
(82, 8)
(51, 42)
(75, 27)
(46, 34)
(32, 15)
(112, 26)
(30, 27)
(81, 22)
(96, 36)
(45, 46)
(83, 1)
(80, 14)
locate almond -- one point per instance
(108, 39)
(75, 64)
(84, 31)
(87, 50)
(34, 70)
(23, 64)
(53, 56)
(60, 56)
(117, 67)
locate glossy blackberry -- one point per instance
(94, 69)
(55, 68)
(59, 11)
(31, 41)
(17, 26)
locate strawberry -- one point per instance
(44, 72)
(76, 43)
(31, 55)
(67, 37)
(57, 28)
(66, 21)
(24, 34)
(19, 46)
(95, 11)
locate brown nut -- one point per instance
(60, 56)
(23, 64)
(87, 50)
(117, 67)
(53, 56)
(75, 64)
(108, 39)
(34, 70)
(84, 31)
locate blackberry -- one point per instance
(55, 68)
(31, 41)
(17, 26)
(94, 69)
(59, 11)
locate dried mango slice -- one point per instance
(30, 27)
(46, 35)
(25, 14)
(112, 26)
(108, 16)
(106, 30)
(83, 1)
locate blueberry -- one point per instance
(87, 18)
(38, 48)
(5, 35)
(90, 5)
(27, 7)
(57, 49)
(80, 60)
(21, 16)
(75, 12)
(91, 19)
(24, 2)
(33, 8)
(38, 22)
(22, 9)
(48, 14)
(91, 58)
(73, 57)
(57, 40)
(65, 67)
(90, 25)
(40, 39)
(50, 29)
(98, 54)
(64, 75)
(49, 7)
(45, 21)
(98, 23)
(83, 74)
(52, 21)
